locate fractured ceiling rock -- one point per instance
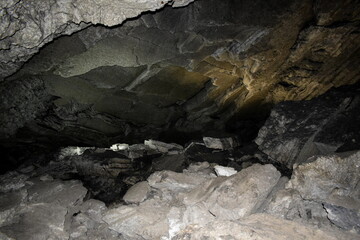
(187, 69)
(26, 26)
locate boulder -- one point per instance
(333, 179)
(296, 131)
(137, 193)
(322, 193)
(237, 196)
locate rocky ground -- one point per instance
(211, 189)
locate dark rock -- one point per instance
(198, 152)
(296, 131)
(348, 219)
(174, 163)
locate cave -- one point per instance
(179, 119)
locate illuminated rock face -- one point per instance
(181, 69)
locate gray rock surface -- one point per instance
(137, 193)
(333, 179)
(26, 26)
(39, 210)
(238, 195)
(323, 193)
(259, 227)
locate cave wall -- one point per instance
(186, 69)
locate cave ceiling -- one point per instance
(119, 75)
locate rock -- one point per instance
(40, 209)
(348, 219)
(231, 198)
(30, 95)
(25, 40)
(147, 221)
(246, 164)
(168, 181)
(323, 189)
(140, 150)
(174, 163)
(259, 227)
(102, 166)
(93, 208)
(288, 204)
(137, 193)
(332, 179)
(224, 171)
(119, 146)
(12, 181)
(87, 223)
(278, 187)
(161, 146)
(64, 193)
(9, 205)
(72, 151)
(46, 178)
(38, 221)
(180, 68)
(296, 131)
(220, 143)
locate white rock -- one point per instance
(224, 171)
(119, 146)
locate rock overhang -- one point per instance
(188, 69)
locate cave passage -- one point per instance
(205, 119)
